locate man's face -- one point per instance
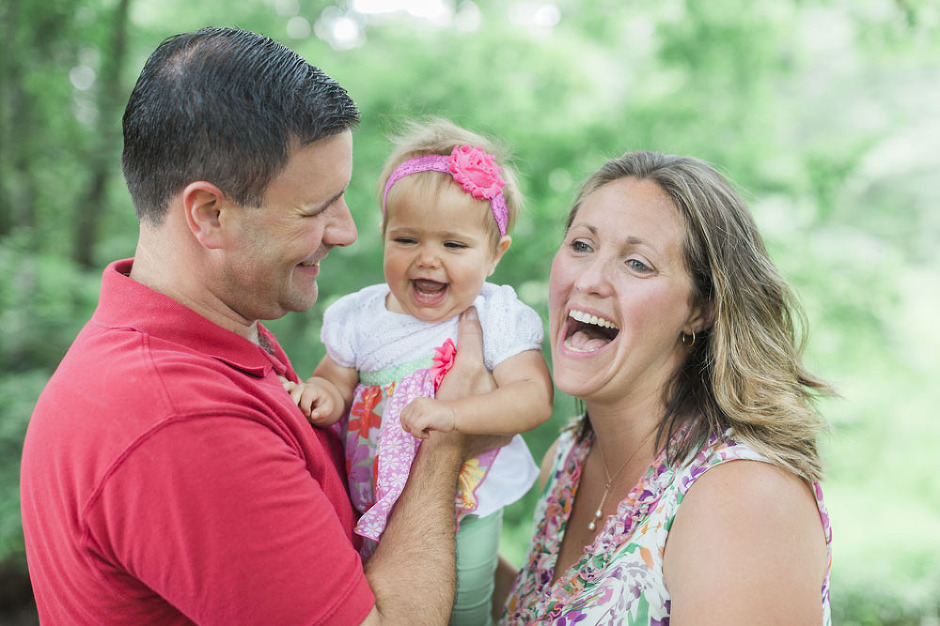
(273, 252)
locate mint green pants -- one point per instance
(477, 556)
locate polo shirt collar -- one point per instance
(126, 303)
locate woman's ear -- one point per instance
(203, 203)
(501, 246)
(701, 318)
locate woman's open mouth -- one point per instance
(588, 333)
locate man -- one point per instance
(166, 475)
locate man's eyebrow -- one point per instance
(323, 207)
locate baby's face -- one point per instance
(438, 251)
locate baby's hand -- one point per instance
(423, 415)
(315, 402)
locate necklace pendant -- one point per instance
(597, 516)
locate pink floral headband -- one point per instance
(472, 167)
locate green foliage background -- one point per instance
(825, 112)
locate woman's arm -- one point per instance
(505, 571)
(505, 575)
(747, 547)
(548, 461)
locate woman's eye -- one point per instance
(580, 246)
(638, 266)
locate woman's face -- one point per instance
(619, 296)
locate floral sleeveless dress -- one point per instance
(400, 358)
(619, 579)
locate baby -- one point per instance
(448, 206)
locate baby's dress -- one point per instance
(395, 356)
(619, 578)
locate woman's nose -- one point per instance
(594, 277)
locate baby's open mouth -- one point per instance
(428, 286)
(588, 333)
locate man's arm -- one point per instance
(412, 572)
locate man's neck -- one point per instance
(175, 274)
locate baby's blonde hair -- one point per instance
(436, 135)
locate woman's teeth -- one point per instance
(590, 332)
(586, 318)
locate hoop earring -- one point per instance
(685, 341)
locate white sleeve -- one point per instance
(339, 332)
(510, 327)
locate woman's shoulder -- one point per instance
(729, 480)
(744, 482)
(559, 452)
(748, 520)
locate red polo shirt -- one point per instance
(168, 478)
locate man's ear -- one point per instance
(501, 248)
(202, 204)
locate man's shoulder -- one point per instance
(115, 383)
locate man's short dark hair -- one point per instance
(225, 106)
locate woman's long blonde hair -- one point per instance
(745, 372)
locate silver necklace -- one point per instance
(610, 479)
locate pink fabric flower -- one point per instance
(476, 171)
(443, 361)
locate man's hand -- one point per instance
(469, 377)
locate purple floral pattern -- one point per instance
(379, 453)
(619, 578)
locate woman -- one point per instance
(688, 491)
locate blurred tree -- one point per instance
(823, 112)
(92, 207)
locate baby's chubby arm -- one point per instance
(422, 415)
(521, 401)
(325, 396)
